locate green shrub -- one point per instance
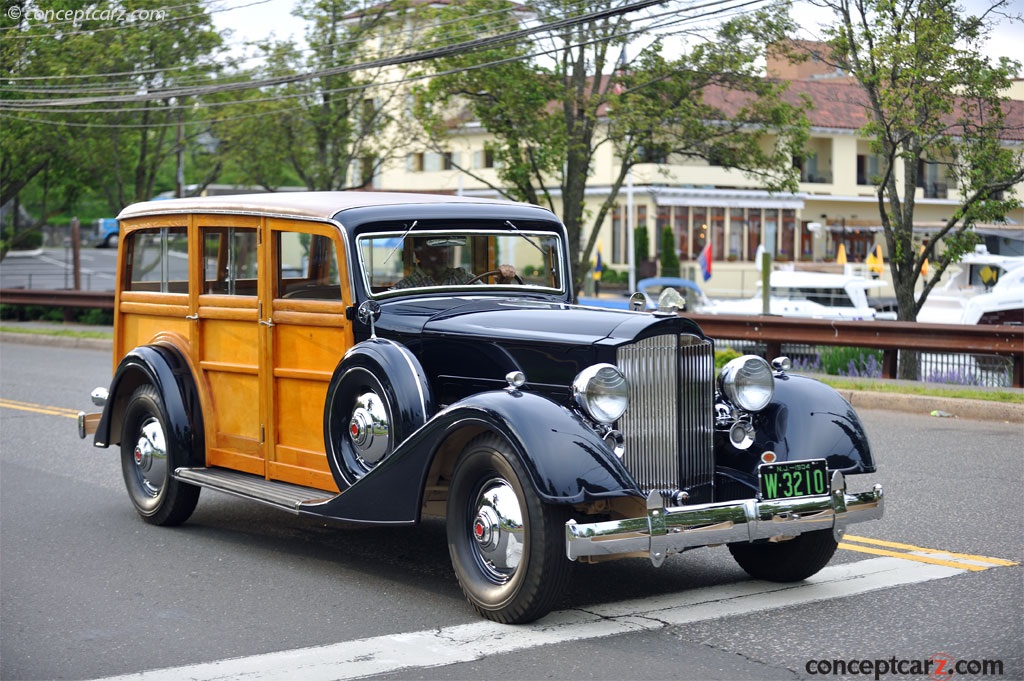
(669, 259)
(724, 356)
(847, 361)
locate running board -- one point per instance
(278, 494)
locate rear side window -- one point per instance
(229, 260)
(157, 260)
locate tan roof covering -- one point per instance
(297, 204)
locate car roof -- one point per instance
(322, 205)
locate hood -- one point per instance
(471, 344)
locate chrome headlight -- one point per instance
(602, 392)
(747, 382)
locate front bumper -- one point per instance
(667, 530)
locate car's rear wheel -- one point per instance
(786, 561)
(148, 459)
(507, 546)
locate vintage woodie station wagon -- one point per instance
(381, 358)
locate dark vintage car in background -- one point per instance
(381, 358)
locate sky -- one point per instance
(258, 20)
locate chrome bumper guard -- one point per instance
(667, 530)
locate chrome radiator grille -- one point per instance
(668, 425)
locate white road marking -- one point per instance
(475, 641)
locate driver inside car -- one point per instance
(432, 268)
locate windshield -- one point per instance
(397, 262)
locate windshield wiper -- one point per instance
(401, 240)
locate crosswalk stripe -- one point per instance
(478, 640)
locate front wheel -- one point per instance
(507, 546)
(147, 460)
(787, 561)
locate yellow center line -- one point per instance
(913, 556)
(39, 408)
(910, 547)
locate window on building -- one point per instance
(868, 169)
(483, 158)
(787, 239)
(414, 162)
(682, 228)
(717, 227)
(700, 230)
(753, 232)
(735, 233)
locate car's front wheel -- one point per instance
(148, 459)
(507, 546)
(786, 561)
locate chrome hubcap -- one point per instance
(369, 428)
(151, 457)
(497, 530)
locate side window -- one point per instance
(157, 260)
(307, 267)
(229, 260)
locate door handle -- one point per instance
(192, 317)
(267, 322)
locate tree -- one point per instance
(79, 113)
(931, 97)
(329, 132)
(551, 113)
(669, 258)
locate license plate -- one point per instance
(793, 479)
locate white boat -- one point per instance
(978, 274)
(809, 294)
(1004, 304)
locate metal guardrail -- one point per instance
(103, 300)
(890, 337)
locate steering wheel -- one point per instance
(494, 273)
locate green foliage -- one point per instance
(547, 114)
(25, 240)
(669, 258)
(120, 146)
(724, 356)
(641, 243)
(331, 132)
(46, 313)
(933, 98)
(848, 361)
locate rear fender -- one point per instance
(566, 460)
(165, 369)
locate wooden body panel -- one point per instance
(263, 344)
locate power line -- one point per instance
(422, 55)
(359, 87)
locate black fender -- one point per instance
(806, 419)
(567, 461)
(163, 367)
(389, 369)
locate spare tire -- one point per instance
(378, 396)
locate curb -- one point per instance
(949, 407)
(57, 341)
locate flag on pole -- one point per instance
(599, 266)
(841, 254)
(924, 265)
(704, 260)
